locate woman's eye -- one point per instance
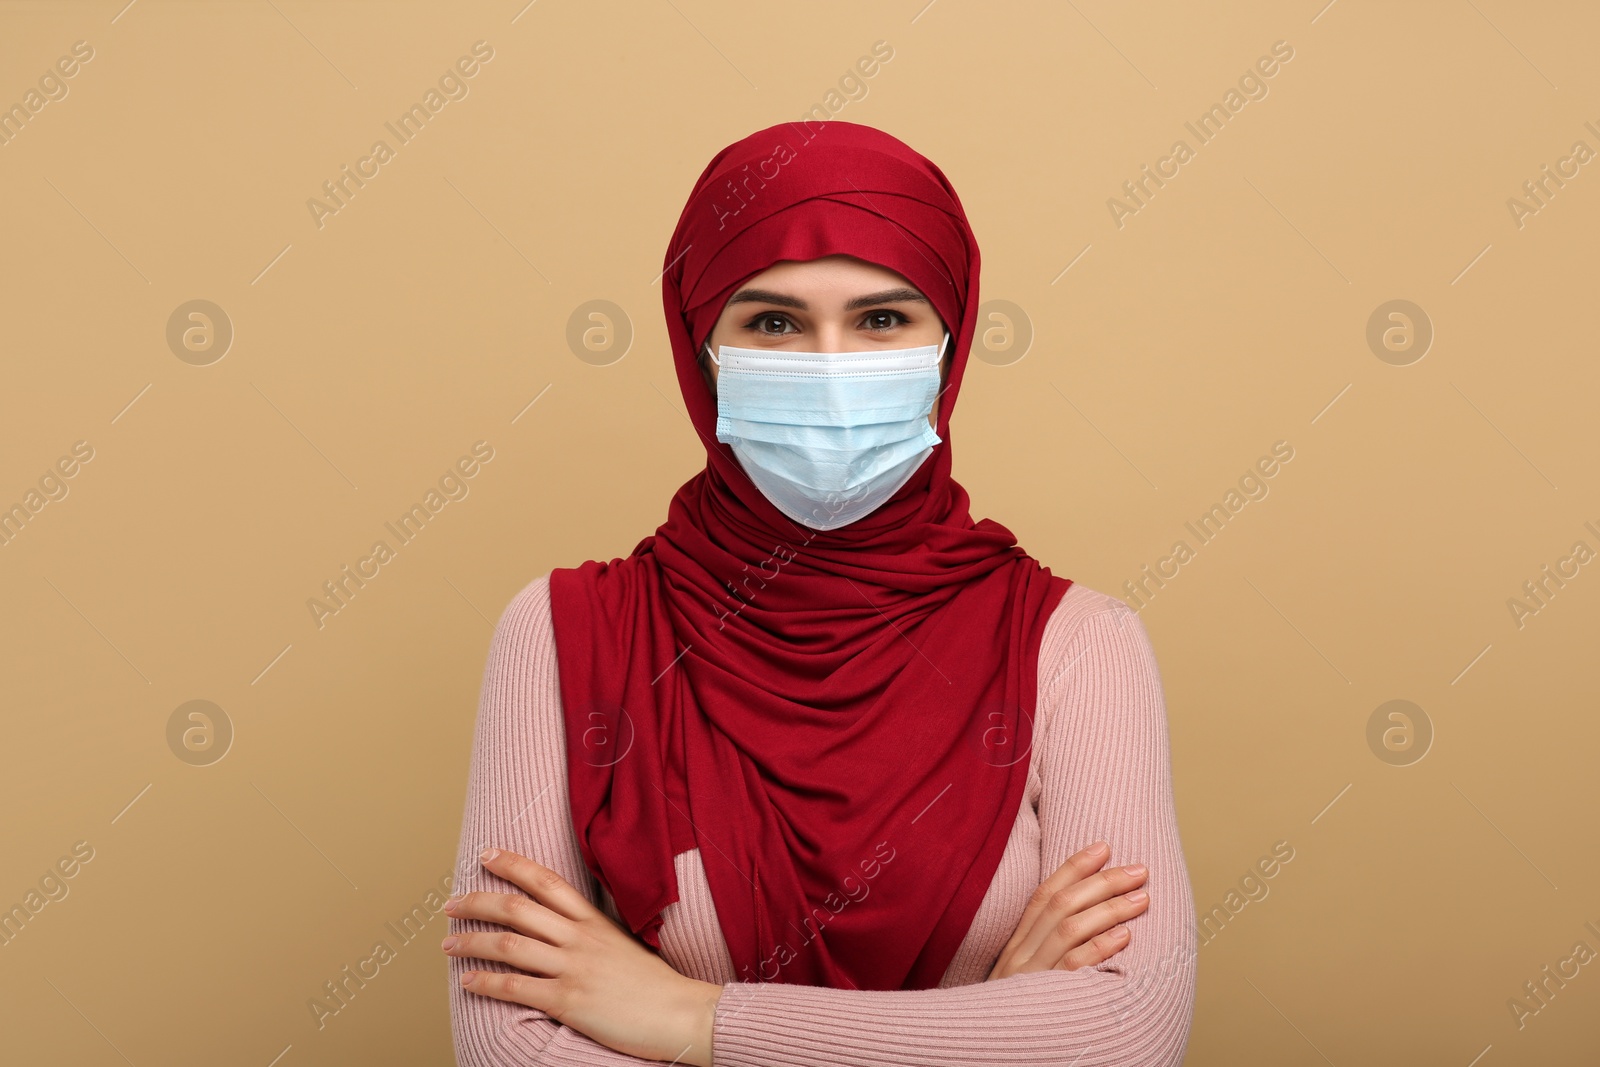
(883, 320)
(778, 322)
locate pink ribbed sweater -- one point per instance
(1099, 769)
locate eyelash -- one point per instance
(902, 318)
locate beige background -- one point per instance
(369, 353)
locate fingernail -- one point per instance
(1097, 848)
(488, 854)
(1119, 932)
(468, 978)
(1134, 869)
(1138, 896)
(450, 905)
(448, 943)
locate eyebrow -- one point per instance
(768, 296)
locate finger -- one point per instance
(1096, 950)
(516, 988)
(542, 883)
(1079, 865)
(516, 910)
(1075, 930)
(523, 953)
(1079, 897)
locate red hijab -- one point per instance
(840, 721)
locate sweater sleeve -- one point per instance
(517, 800)
(1106, 774)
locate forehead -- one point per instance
(827, 275)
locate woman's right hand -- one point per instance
(1073, 919)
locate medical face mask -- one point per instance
(828, 437)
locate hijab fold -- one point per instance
(840, 721)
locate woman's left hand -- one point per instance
(581, 969)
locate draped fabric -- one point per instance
(839, 721)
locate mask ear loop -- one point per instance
(706, 348)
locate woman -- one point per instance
(817, 774)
